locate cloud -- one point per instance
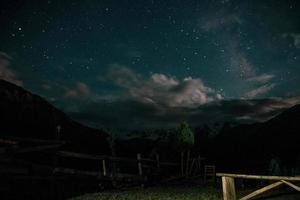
(80, 91)
(265, 109)
(162, 101)
(248, 81)
(255, 84)
(129, 113)
(248, 110)
(46, 86)
(218, 21)
(6, 73)
(134, 54)
(263, 78)
(260, 85)
(260, 90)
(295, 37)
(162, 90)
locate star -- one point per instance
(226, 45)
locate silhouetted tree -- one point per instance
(184, 141)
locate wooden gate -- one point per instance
(228, 186)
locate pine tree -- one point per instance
(184, 141)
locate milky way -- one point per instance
(152, 60)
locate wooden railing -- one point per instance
(228, 185)
(105, 160)
(99, 166)
(11, 146)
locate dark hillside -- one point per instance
(26, 115)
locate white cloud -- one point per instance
(163, 90)
(295, 37)
(6, 73)
(218, 20)
(263, 78)
(267, 109)
(163, 80)
(260, 90)
(256, 84)
(122, 75)
(134, 54)
(80, 91)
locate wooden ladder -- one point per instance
(209, 173)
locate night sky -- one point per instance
(154, 63)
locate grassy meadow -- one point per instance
(184, 193)
(157, 193)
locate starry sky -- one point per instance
(157, 62)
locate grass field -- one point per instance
(157, 193)
(181, 193)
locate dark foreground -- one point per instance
(181, 193)
(157, 193)
(82, 189)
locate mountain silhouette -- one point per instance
(26, 115)
(255, 144)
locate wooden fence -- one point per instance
(104, 160)
(229, 192)
(102, 167)
(10, 146)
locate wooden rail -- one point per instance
(18, 145)
(112, 158)
(16, 140)
(38, 148)
(104, 163)
(228, 185)
(104, 172)
(30, 149)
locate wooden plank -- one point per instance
(93, 157)
(104, 168)
(31, 149)
(15, 140)
(168, 164)
(182, 170)
(262, 190)
(260, 177)
(26, 163)
(291, 185)
(24, 177)
(14, 170)
(80, 155)
(101, 157)
(139, 164)
(192, 165)
(37, 148)
(228, 188)
(76, 172)
(98, 175)
(8, 142)
(157, 161)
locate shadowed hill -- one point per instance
(258, 142)
(23, 114)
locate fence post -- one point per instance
(104, 167)
(157, 161)
(182, 170)
(228, 188)
(139, 164)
